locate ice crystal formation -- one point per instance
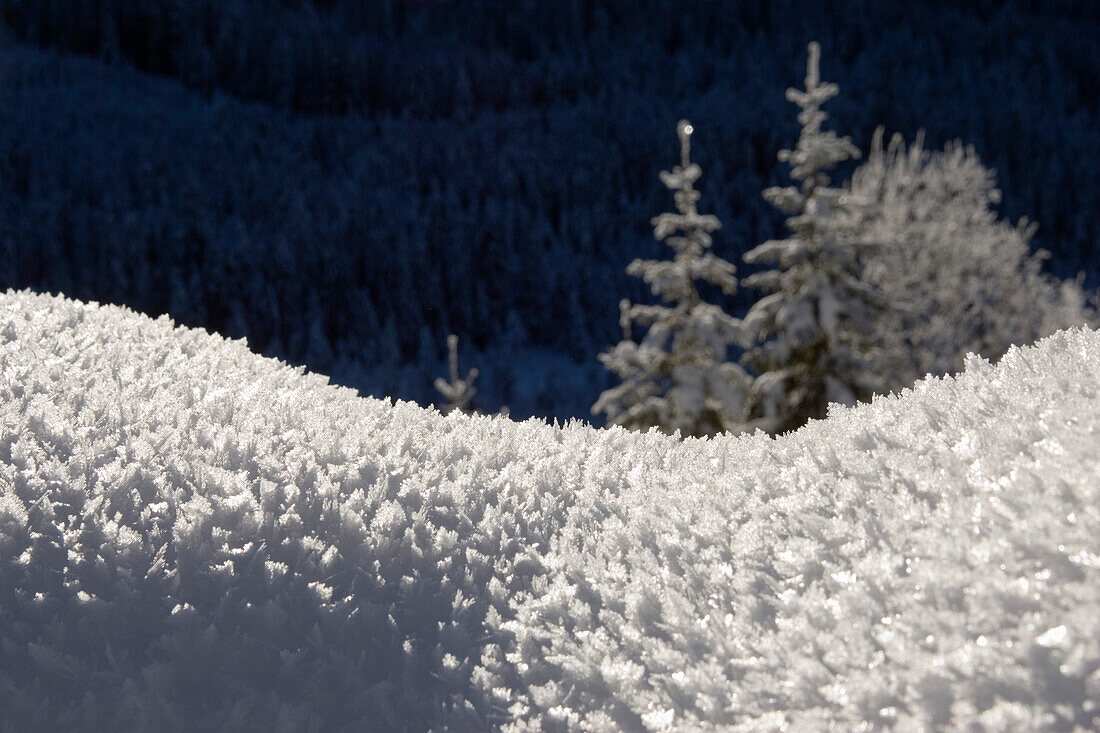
(194, 537)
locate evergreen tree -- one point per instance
(458, 392)
(814, 328)
(677, 377)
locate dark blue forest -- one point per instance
(346, 183)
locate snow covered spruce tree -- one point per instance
(813, 331)
(458, 392)
(962, 280)
(677, 377)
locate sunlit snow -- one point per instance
(193, 537)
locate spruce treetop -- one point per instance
(817, 150)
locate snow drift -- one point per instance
(193, 537)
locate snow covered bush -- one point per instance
(678, 376)
(961, 279)
(193, 537)
(814, 328)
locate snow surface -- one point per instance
(193, 537)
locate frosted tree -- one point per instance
(458, 392)
(814, 328)
(963, 280)
(677, 377)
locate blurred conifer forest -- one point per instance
(347, 183)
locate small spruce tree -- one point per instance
(814, 328)
(677, 377)
(458, 392)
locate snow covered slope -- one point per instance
(193, 537)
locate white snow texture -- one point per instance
(194, 537)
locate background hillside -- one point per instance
(345, 186)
